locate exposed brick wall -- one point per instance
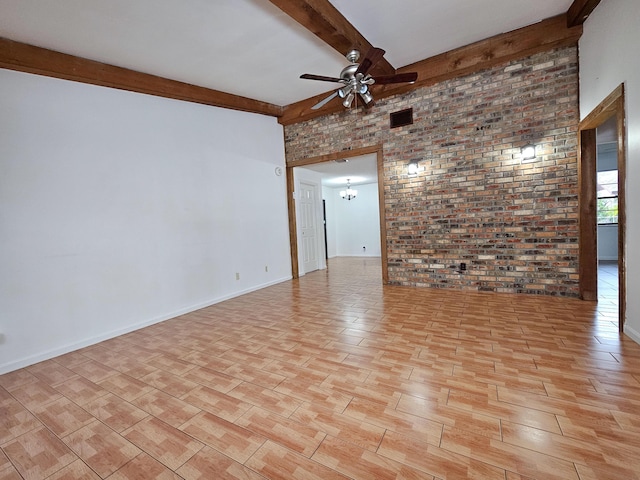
(514, 225)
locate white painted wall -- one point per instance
(355, 223)
(608, 57)
(119, 210)
(607, 242)
(309, 176)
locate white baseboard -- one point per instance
(632, 334)
(40, 357)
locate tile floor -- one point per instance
(608, 301)
(608, 281)
(340, 377)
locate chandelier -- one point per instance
(349, 193)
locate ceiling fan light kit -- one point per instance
(357, 80)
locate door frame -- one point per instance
(293, 232)
(613, 105)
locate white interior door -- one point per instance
(309, 228)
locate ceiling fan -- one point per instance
(357, 80)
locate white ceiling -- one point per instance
(358, 170)
(412, 30)
(252, 49)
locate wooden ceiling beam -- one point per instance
(41, 61)
(322, 19)
(542, 36)
(579, 11)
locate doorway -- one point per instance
(607, 216)
(294, 218)
(324, 227)
(611, 107)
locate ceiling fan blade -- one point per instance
(322, 103)
(374, 55)
(310, 76)
(408, 77)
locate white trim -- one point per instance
(632, 334)
(25, 362)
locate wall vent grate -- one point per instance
(401, 118)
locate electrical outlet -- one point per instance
(237, 275)
(463, 267)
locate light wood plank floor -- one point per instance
(337, 376)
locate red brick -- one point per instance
(514, 225)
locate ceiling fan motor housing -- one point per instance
(348, 72)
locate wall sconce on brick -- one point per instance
(528, 153)
(413, 168)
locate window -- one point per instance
(607, 197)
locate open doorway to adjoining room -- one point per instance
(602, 176)
(607, 207)
(354, 224)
